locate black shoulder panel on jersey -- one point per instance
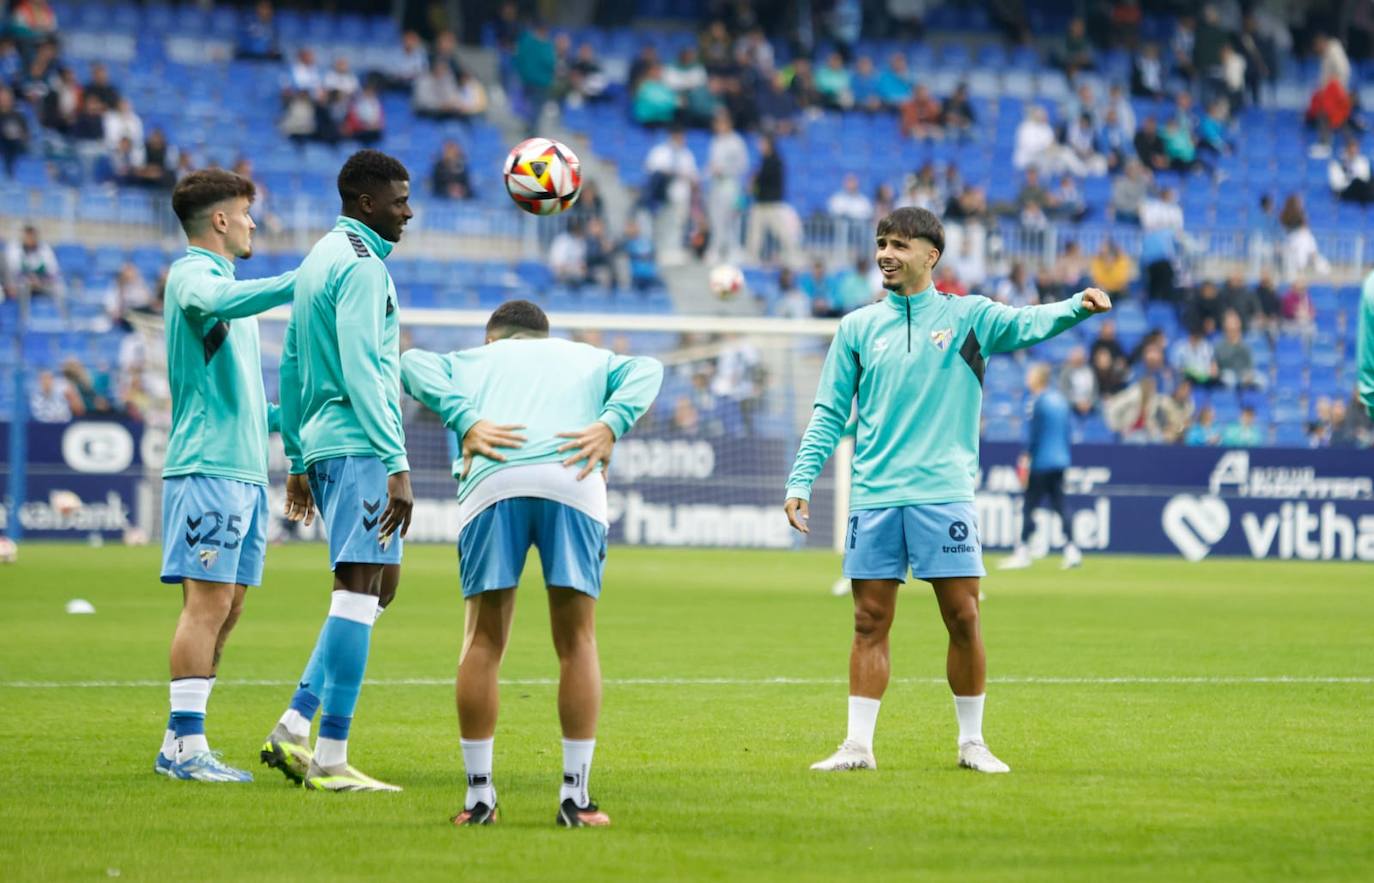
(214, 339)
(358, 247)
(972, 353)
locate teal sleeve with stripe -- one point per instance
(429, 379)
(359, 319)
(632, 384)
(834, 401)
(1001, 328)
(290, 396)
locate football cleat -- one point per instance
(1019, 559)
(282, 751)
(206, 766)
(163, 765)
(570, 815)
(481, 814)
(849, 756)
(1072, 557)
(342, 778)
(976, 756)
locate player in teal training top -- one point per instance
(341, 425)
(214, 491)
(572, 401)
(915, 361)
(1366, 345)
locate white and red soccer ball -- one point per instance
(726, 281)
(543, 176)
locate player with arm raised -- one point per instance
(214, 491)
(561, 405)
(915, 360)
(341, 425)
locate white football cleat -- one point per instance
(849, 756)
(1072, 557)
(976, 756)
(1019, 559)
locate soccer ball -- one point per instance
(9, 552)
(64, 503)
(543, 176)
(726, 281)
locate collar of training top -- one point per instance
(375, 244)
(919, 300)
(220, 260)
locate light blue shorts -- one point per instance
(350, 493)
(492, 546)
(936, 540)
(213, 529)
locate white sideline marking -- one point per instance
(726, 682)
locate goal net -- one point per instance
(706, 466)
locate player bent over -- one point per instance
(548, 492)
(341, 426)
(214, 491)
(915, 360)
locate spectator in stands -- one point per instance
(1156, 367)
(128, 293)
(1234, 359)
(1232, 78)
(1179, 147)
(601, 254)
(715, 48)
(864, 85)
(958, 115)
(1345, 430)
(1117, 142)
(53, 400)
(365, 121)
(88, 127)
(853, 213)
(1081, 141)
(1181, 45)
(921, 115)
(816, 286)
(535, 65)
(303, 74)
(646, 60)
(638, 248)
(31, 269)
(727, 163)
(1149, 146)
(1213, 136)
(436, 94)
(739, 379)
(340, 83)
(1204, 430)
(1349, 174)
(771, 215)
(835, 84)
(11, 61)
(257, 37)
(686, 72)
(1244, 433)
(895, 81)
(1332, 103)
(14, 131)
(449, 179)
(1194, 358)
(1297, 307)
(1205, 309)
(121, 121)
(159, 160)
(1068, 201)
(1018, 289)
(92, 392)
(1076, 52)
(1112, 270)
(409, 64)
(1109, 375)
(40, 78)
(125, 161)
(62, 102)
(1299, 253)
(1119, 104)
(568, 255)
(1035, 141)
(792, 302)
(1129, 191)
(1127, 413)
(1066, 276)
(1147, 73)
(655, 102)
(850, 289)
(673, 177)
(1239, 298)
(884, 201)
(587, 79)
(32, 21)
(1170, 414)
(1078, 383)
(1162, 220)
(100, 86)
(1034, 202)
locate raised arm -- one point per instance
(359, 318)
(289, 394)
(632, 384)
(1001, 328)
(235, 299)
(834, 400)
(428, 378)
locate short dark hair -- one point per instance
(201, 189)
(517, 315)
(367, 171)
(914, 223)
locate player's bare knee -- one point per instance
(871, 622)
(209, 604)
(574, 642)
(962, 622)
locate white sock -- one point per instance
(169, 735)
(577, 768)
(296, 724)
(477, 763)
(190, 695)
(331, 752)
(378, 615)
(969, 710)
(863, 718)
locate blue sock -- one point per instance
(306, 700)
(188, 723)
(344, 641)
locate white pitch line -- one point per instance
(728, 682)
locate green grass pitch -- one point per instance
(1129, 698)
